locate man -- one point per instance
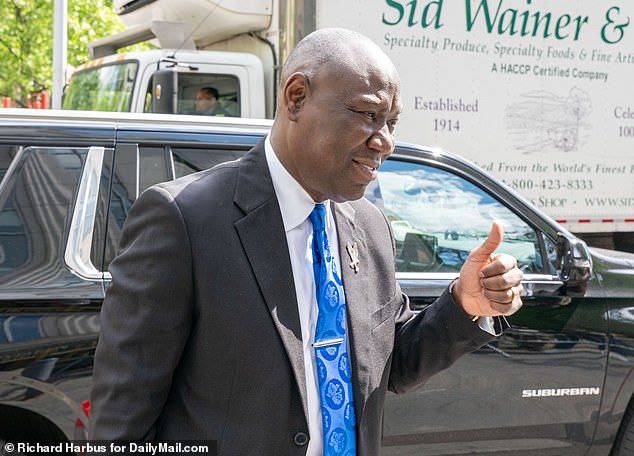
(207, 102)
(209, 326)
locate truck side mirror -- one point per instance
(574, 264)
(165, 91)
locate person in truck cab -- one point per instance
(255, 304)
(207, 103)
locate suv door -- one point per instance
(536, 389)
(54, 183)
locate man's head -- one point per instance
(338, 105)
(206, 99)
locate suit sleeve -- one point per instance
(431, 341)
(145, 321)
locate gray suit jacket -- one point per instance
(201, 336)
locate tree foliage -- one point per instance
(26, 41)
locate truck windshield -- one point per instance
(102, 88)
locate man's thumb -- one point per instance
(483, 253)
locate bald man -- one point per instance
(210, 327)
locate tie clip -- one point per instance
(326, 343)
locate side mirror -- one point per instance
(165, 91)
(574, 264)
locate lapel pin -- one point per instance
(353, 251)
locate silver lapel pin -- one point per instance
(353, 251)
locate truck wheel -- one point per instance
(624, 442)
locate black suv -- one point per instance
(558, 383)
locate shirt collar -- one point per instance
(295, 202)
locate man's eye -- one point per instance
(368, 114)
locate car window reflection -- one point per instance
(439, 217)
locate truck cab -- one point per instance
(166, 81)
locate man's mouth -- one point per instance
(371, 167)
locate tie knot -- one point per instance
(318, 217)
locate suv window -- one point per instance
(153, 166)
(7, 154)
(139, 167)
(438, 217)
(34, 212)
(190, 160)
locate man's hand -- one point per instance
(489, 284)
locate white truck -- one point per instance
(535, 91)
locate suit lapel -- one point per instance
(359, 325)
(261, 231)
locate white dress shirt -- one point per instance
(296, 205)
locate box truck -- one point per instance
(537, 92)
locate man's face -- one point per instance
(344, 131)
(204, 102)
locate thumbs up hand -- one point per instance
(489, 284)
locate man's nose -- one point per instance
(382, 141)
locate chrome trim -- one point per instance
(534, 284)
(141, 120)
(138, 172)
(449, 276)
(171, 163)
(11, 168)
(77, 253)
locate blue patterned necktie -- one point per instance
(331, 347)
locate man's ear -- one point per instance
(294, 93)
